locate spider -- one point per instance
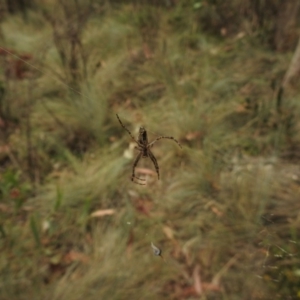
(143, 146)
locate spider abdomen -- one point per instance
(145, 153)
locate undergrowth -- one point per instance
(225, 211)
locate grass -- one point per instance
(225, 212)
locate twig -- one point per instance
(294, 67)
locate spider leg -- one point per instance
(133, 169)
(127, 130)
(164, 137)
(152, 157)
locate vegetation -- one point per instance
(225, 212)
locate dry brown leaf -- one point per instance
(76, 256)
(187, 292)
(28, 208)
(55, 174)
(197, 280)
(14, 193)
(211, 287)
(143, 206)
(4, 148)
(217, 211)
(193, 135)
(45, 241)
(112, 138)
(102, 212)
(169, 232)
(241, 108)
(4, 208)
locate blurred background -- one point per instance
(222, 77)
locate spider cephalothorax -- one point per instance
(143, 146)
